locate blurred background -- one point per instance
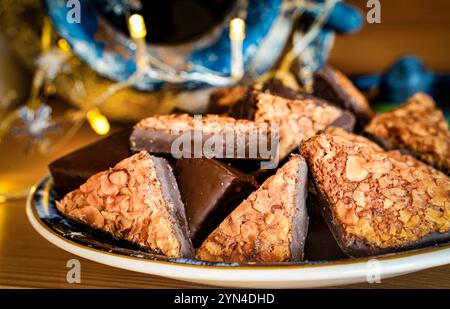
(407, 27)
(413, 27)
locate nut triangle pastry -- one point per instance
(377, 201)
(138, 201)
(269, 226)
(418, 127)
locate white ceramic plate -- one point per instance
(46, 220)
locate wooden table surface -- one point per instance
(29, 261)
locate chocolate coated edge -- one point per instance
(300, 219)
(215, 108)
(326, 83)
(246, 107)
(65, 182)
(346, 121)
(218, 214)
(276, 87)
(160, 142)
(171, 193)
(226, 203)
(153, 141)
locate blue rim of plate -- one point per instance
(42, 204)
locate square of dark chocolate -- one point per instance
(210, 190)
(72, 170)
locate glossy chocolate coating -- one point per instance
(277, 87)
(72, 170)
(187, 136)
(320, 244)
(327, 88)
(210, 190)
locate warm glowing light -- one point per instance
(63, 45)
(3, 199)
(98, 122)
(137, 26)
(237, 36)
(237, 29)
(46, 37)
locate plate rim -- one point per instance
(355, 270)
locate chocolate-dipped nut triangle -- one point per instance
(269, 226)
(333, 86)
(298, 119)
(365, 142)
(138, 201)
(375, 201)
(209, 136)
(417, 127)
(223, 100)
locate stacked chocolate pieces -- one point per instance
(374, 198)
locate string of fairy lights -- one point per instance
(146, 64)
(35, 114)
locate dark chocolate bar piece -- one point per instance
(418, 128)
(72, 170)
(377, 202)
(346, 121)
(269, 226)
(333, 86)
(210, 191)
(186, 136)
(138, 201)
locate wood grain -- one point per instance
(29, 261)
